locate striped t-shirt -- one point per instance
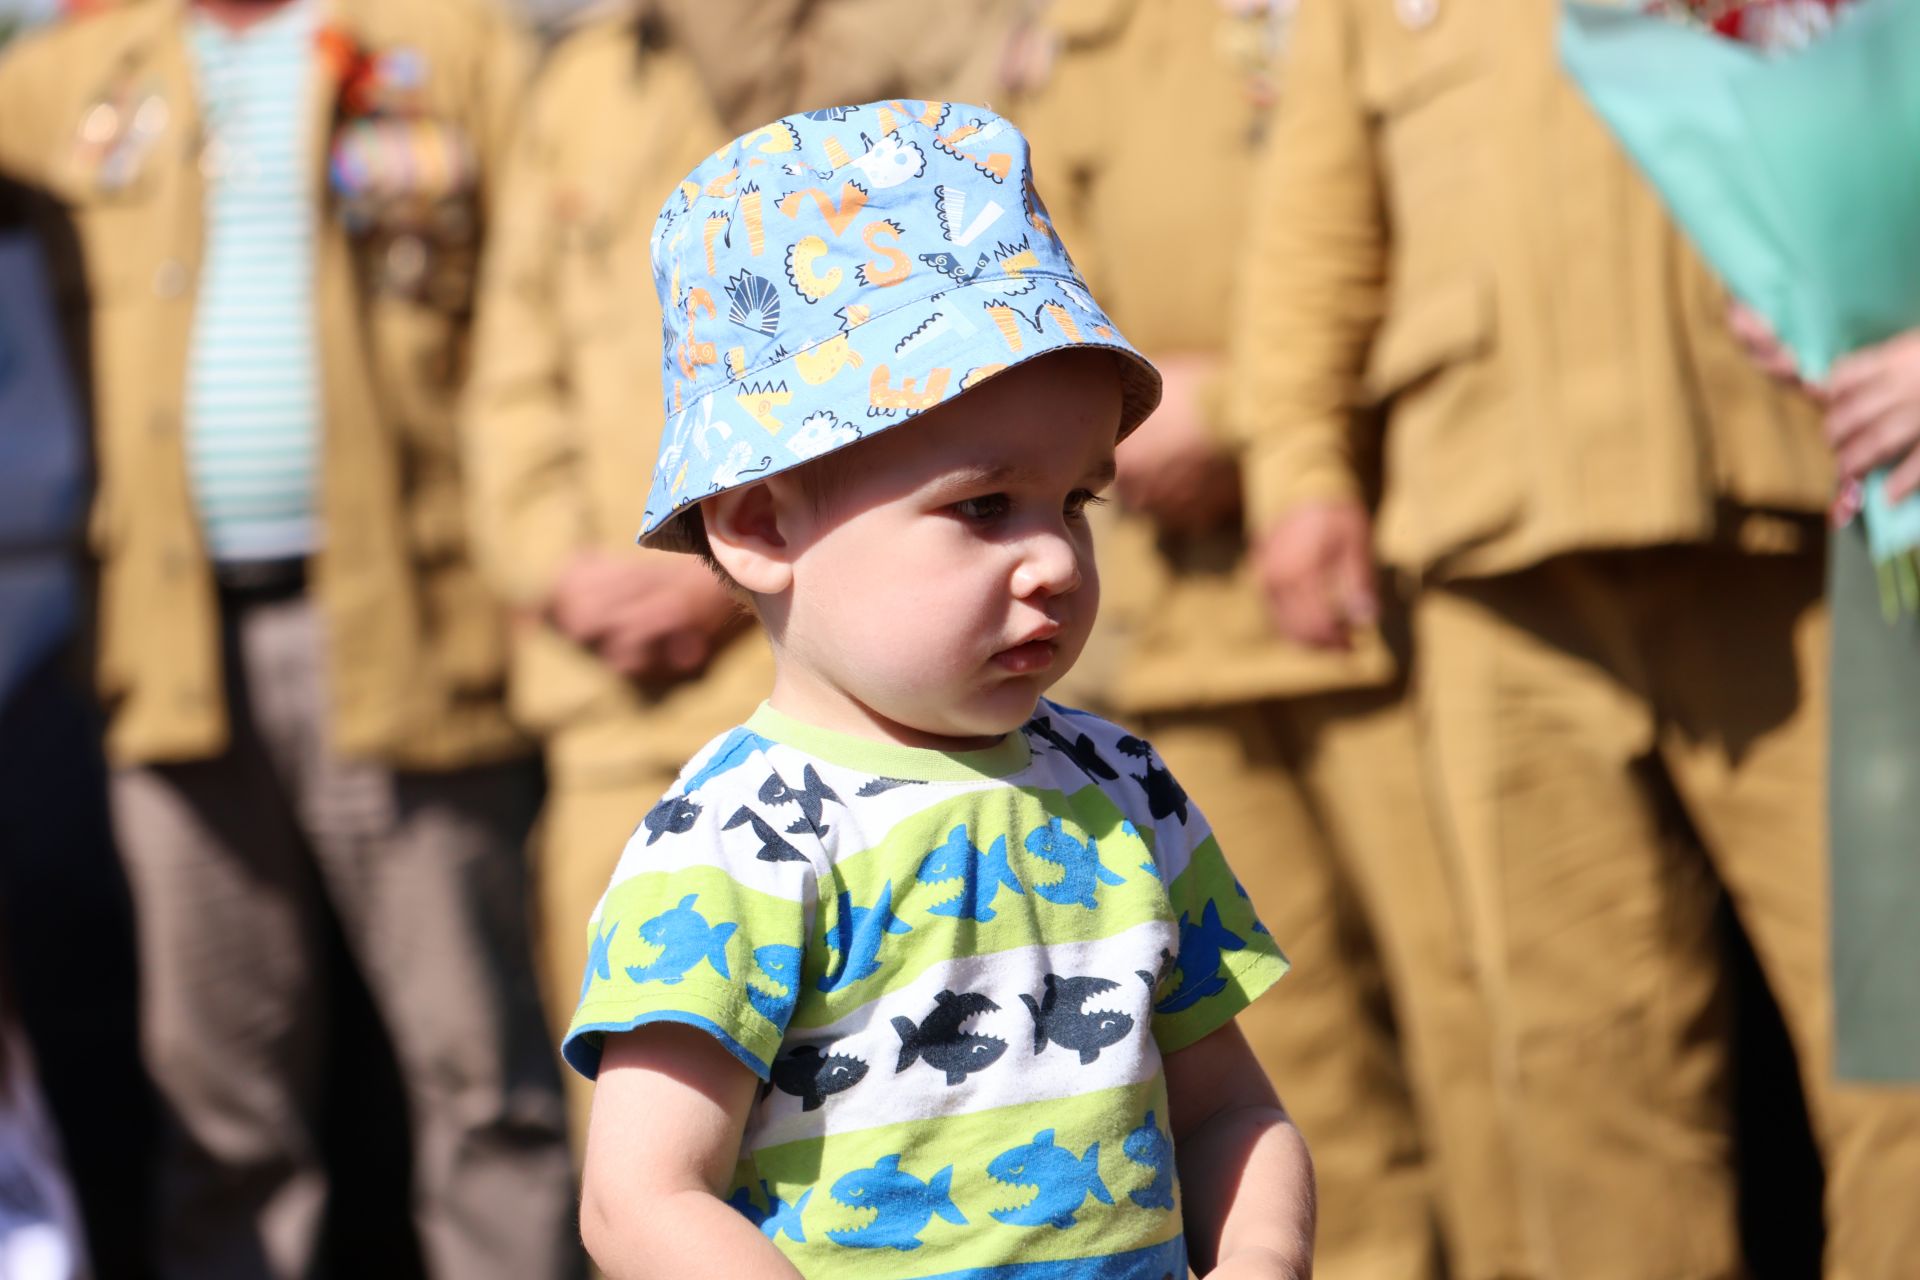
(253, 410)
(957, 975)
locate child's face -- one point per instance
(945, 577)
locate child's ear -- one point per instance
(743, 532)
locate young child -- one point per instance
(914, 974)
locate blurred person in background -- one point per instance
(59, 880)
(1305, 757)
(1615, 527)
(625, 660)
(279, 204)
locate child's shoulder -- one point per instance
(1123, 766)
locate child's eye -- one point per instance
(1079, 500)
(989, 506)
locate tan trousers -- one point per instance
(1620, 738)
(582, 832)
(230, 860)
(1319, 806)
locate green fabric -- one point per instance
(1876, 866)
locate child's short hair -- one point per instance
(840, 272)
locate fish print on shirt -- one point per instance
(1081, 871)
(1061, 1017)
(812, 799)
(813, 1076)
(673, 816)
(740, 746)
(599, 958)
(774, 847)
(902, 1205)
(1081, 750)
(781, 965)
(1152, 1148)
(943, 1043)
(1165, 795)
(981, 876)
(777, 1217)
(1201, 945)
(855, 936)
(1061, 1182)
(685, 939)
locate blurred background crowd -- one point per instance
(1471, 576)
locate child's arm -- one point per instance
(662, 1142)
(1245, 1177)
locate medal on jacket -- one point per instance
(116, 134)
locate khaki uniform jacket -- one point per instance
(1145, 128)
(565, 410)
(101, 112)
(1448, 233)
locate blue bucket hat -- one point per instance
(839, 272)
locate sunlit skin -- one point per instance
(927, 585)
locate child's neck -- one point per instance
(807, 698)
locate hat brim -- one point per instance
(882, 372)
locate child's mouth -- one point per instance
(1028, 658)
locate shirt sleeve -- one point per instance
(699, 927)
(1226, 959)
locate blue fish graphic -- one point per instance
(980, 875)
(1148, 1146)
(739, 747)
(599, 961)
(1081, 870)
(1199, 959)
(777, 1217)
(781, 965)
(854, 938)
(685, 939)
(1061, 1181)
(902, 1205)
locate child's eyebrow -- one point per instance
(1003, 473)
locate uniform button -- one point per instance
(170, 279)
(1416, 15)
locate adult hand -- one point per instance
(1316, 566)
(1873, 413)
(648, 617)
(1170, 468)
(1762, 346)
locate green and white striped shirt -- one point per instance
(956, 973)
(253, 404)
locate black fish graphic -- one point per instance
(675, 815)
(811, 798)
(773, 845)
(1081, 752)
(1060, 1017)
(813, 1076)
(941, 1042)
(1165, 795)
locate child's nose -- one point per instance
(1050, 567)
